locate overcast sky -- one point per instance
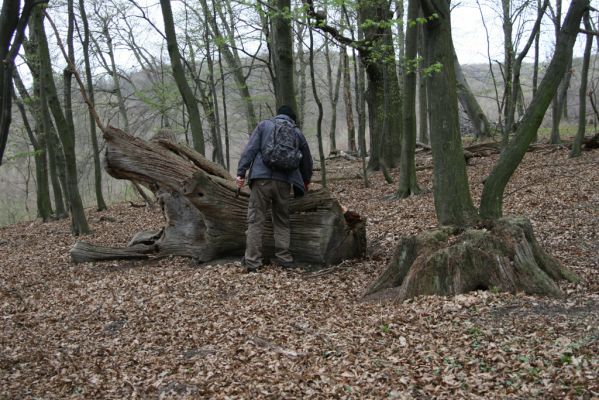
(470, 38)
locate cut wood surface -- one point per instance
(206, 219)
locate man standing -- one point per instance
(278, 158)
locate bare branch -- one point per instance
(76, 74)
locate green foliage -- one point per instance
(432, 69)
(23, 154)
(422, 20)
(382, 25)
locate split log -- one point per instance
(504, 257)
(206, 220)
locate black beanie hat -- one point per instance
(286, 110)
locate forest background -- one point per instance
(135, 89)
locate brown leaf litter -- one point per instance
(168, 329)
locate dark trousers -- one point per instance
(265, 193)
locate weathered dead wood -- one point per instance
(206, 220)
(591, 142)
(84, 252)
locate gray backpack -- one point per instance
(281, 151)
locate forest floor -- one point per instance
(169, 328)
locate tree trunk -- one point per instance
(283, 54)
(401, 39)
(559, 102)
(482, 128)
(582, 94)
(535, 65)
(189, 99)
(453, 203)
(100, 203)
(333, 97)
(491, 205)
(56, 162)
(79, 224)
(301, 72)
(508, 49)
(407, 170)
(205, 220)
(555, 106)
(422, 97)
(347, 100)
(385, 128)
(9, 17)
(360, 89)
(225, 112)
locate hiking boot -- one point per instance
(285, 264)
(249, 269)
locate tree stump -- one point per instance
(504, 257)
(206, 219)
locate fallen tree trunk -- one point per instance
(206, 219)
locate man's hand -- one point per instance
(240, 181)
(307, 185)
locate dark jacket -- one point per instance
(251, 158)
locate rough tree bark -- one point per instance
(205, 220)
